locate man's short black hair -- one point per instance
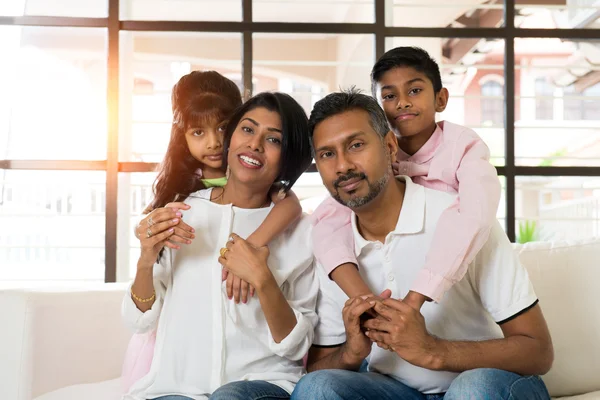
(407, 56)
(347, 100)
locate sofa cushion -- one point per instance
(565, 276)
(56, 337)
(587, 396)
(107, 390)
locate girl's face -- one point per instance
(205, 143)
(255, 147)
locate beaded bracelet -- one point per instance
(149, 299)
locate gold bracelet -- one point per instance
(149, 299)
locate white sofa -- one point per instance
(66, 344)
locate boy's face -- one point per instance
(409, 101)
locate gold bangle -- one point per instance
(149, 299)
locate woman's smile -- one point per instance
(250, 161)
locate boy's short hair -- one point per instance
(407, 56)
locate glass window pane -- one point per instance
(181, 10)
(581, 14)
(310, 66)
(338, 11)
(310, 190)
(53, 93)
(557, 208)
(441, 14)
(52, 225)
(557, 102)
(151, 63)
(60, 8)
(472, 70)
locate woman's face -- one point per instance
(255, 147)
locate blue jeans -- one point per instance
(477, 384)
(242, 390)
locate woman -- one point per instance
(208, 346)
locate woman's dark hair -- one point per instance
(295, 147)
(413, 57)
(198, 97)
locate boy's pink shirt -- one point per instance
(455, 160)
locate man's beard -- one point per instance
(374, 189)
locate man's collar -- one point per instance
(411, 219)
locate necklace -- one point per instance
(219, 199)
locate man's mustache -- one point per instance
(347, 177)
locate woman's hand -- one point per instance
(245, 261)
(182, 233)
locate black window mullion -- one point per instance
(247, 49)
(509, 115)
(112, 150)
(379, 28)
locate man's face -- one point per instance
(353, 160)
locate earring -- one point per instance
(227, 172)
(198, 172)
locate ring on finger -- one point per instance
(223, 251)
(150, 222)
(148, 233)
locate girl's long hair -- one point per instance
(197, 98)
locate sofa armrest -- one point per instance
(52, 338)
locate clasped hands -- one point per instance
(244, 267)
(390, 323)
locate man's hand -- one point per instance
(401, 328)
(358, 346)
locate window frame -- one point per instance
(111, 165)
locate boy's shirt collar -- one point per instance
(426, 152)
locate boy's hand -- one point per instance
(371, 313)
(415, 300)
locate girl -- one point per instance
(202, 104)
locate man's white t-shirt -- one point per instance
(205, 340)
(495, 289)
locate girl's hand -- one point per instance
(182, 233)
(160, 228)
(237, 288)
(396, 168)
(246, 261)
(277, 195)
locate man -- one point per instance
(487, 338)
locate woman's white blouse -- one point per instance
(204, 340)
